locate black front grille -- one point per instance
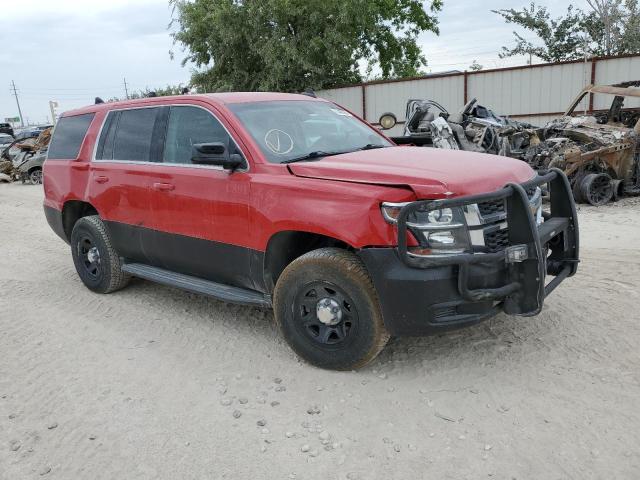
(496, 240)
(488, 209)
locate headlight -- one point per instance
(441, 231)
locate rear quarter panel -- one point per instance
(67, 179)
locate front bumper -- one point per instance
(425, 294)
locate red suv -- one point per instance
(292, 202)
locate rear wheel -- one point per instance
(328, 310)
(96, 261)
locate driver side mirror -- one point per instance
(215, 153)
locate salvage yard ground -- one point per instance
(152, 382)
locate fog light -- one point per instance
(516, 253)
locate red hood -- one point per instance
(430, 172)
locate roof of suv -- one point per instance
(221, 98)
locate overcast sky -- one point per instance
(71, 51)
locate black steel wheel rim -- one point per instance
(315, 297)
(89, 256)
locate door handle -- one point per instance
(163, 187)
(101, 179)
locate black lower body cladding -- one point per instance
(419, 302)
(54, 219)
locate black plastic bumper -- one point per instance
(54, 219)
(425, 294)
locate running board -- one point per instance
(198, 285)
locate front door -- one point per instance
(200, 212)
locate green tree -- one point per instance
(158, 92)
(562, 38)
(612, 27)
(475, 66)
(291, 45)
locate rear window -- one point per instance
(68, 136)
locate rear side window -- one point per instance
(68, 136)
(134, 133)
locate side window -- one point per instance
(105, 144)
(188, 126)
(68, 136)
(133, 134)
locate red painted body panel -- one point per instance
(430, 172)
(337, 196)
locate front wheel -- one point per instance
(328, 311)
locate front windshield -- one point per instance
(291, 129)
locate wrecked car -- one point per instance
(24, 159)
(598, 151)
(474, 128)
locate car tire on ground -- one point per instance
(35, 176)
(328, 311)
(96, 261)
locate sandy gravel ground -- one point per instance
(152, 382)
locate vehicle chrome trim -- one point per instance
(188, 165)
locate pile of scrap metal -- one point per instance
(475, 128)
(23, 159)
(599, 152)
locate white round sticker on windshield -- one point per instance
(278, 141)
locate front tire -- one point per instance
(328, 311)
(96, 261)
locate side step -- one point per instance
(198, 285)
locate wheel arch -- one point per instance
(72, 211)
(285, 246)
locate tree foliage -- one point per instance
(291, 45)
(610, 28)
(148, 92)
(475, 66)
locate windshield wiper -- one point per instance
(370, 146)
(311, 156)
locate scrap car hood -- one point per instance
(429, 172)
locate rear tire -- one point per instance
(96, 261)
(328, 311)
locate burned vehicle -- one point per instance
(598, 151)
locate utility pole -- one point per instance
(52, 106)
(15, 93)
(126, 90)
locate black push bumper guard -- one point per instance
(552, 248)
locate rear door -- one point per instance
(130, 143)
(200, 212)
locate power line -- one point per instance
(15, 93)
